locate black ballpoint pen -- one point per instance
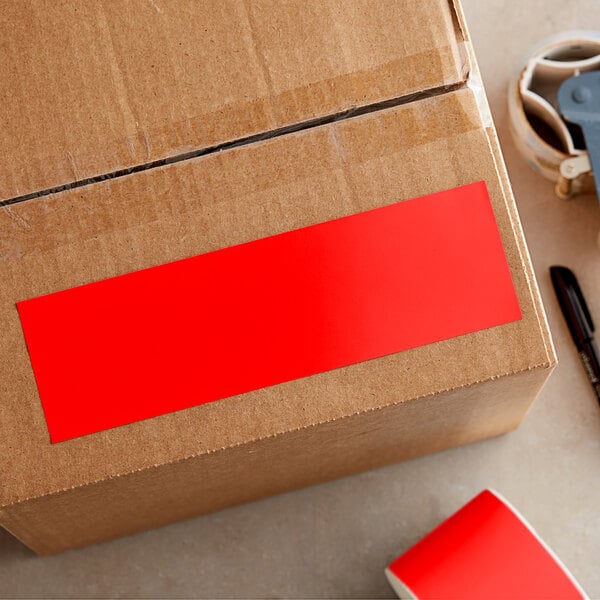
(579, 320)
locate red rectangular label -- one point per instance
(268, 311)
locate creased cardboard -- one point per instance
(271, 65)
(92, 88)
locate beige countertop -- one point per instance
(334, 540)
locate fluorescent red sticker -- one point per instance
(485, 550)
(268, 311)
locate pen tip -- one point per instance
(559, 270)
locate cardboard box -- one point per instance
(141, 133)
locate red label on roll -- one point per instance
(268, 311)
(485, 550)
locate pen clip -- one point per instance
(573, 304)
(582, 303)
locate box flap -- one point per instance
(149, 218)
(100, 87)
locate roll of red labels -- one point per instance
(485, 550)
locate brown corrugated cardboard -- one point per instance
(92, 88)
(174, 466)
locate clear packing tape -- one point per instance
(551, 145)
